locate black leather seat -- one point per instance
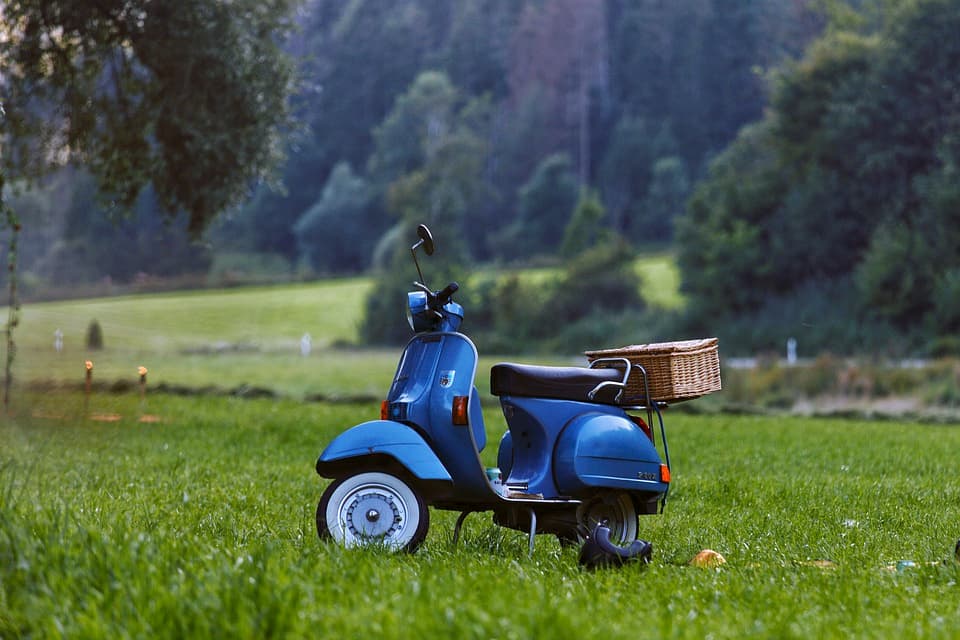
(560, 383)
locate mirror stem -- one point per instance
(413, 252)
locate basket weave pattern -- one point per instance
(676, 371)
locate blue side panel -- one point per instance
(456, 367)
(476, 420)
(384, 437)
(602, 450)
(535, 424)
(530, 445)
(505, 454)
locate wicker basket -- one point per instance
(675, 370)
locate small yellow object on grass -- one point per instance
(143, 382)
(88, 366)
(707, 559)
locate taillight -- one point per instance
(637, 420)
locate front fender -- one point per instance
(379, 438)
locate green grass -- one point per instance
(224, 338)
(203, 526)
(271, 318)
(658, 273)
(661, 281)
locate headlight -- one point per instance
(417, 311)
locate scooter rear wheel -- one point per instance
(614, 510)
(373, 509)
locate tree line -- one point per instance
(799, 154)
(836, 216)
(509, 110)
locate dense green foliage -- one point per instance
(807, 148)
(186, 96)
(595, 296)
(615, 87)
(340, 230)
(203, 525)
(848, 186)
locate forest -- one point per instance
(798, 156)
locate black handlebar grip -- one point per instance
(444, 296)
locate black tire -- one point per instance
(373, 509)
(614, 510)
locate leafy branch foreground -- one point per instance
(202, 525)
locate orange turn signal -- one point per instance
(460, 416)
(664, 473)
(384, 410)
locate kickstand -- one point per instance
(459, 525)
(533, 529)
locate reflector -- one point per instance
(460, 410)
(664, 473)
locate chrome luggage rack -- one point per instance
(651, 407)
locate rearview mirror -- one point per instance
(426, 238)
(425, 241)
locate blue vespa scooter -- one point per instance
(573, 463)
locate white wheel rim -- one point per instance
(373, 509)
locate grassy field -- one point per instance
(239, 337)
(661, 280)
(202, 525)
(235, 338)
(200, 522)
(224, 338)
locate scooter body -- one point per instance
(417, 430)
(571, 459)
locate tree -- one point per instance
(145, 242)
(665, 200)
(364, 58)
(545, 205)
(415, 128)
(723, 252)
(627, 172)
(187, 95)
(429, 157)
(338, 233)
(474, 52)
(558, 52)
(595, 288)
(850, 178)
(584, 229)
(700, 65)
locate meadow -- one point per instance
(244, 338)
(202, 525)
(164, 515)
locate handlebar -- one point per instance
(443, 297)
(436, 299)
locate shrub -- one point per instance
(94, 336)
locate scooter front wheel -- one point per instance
(375, 509)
